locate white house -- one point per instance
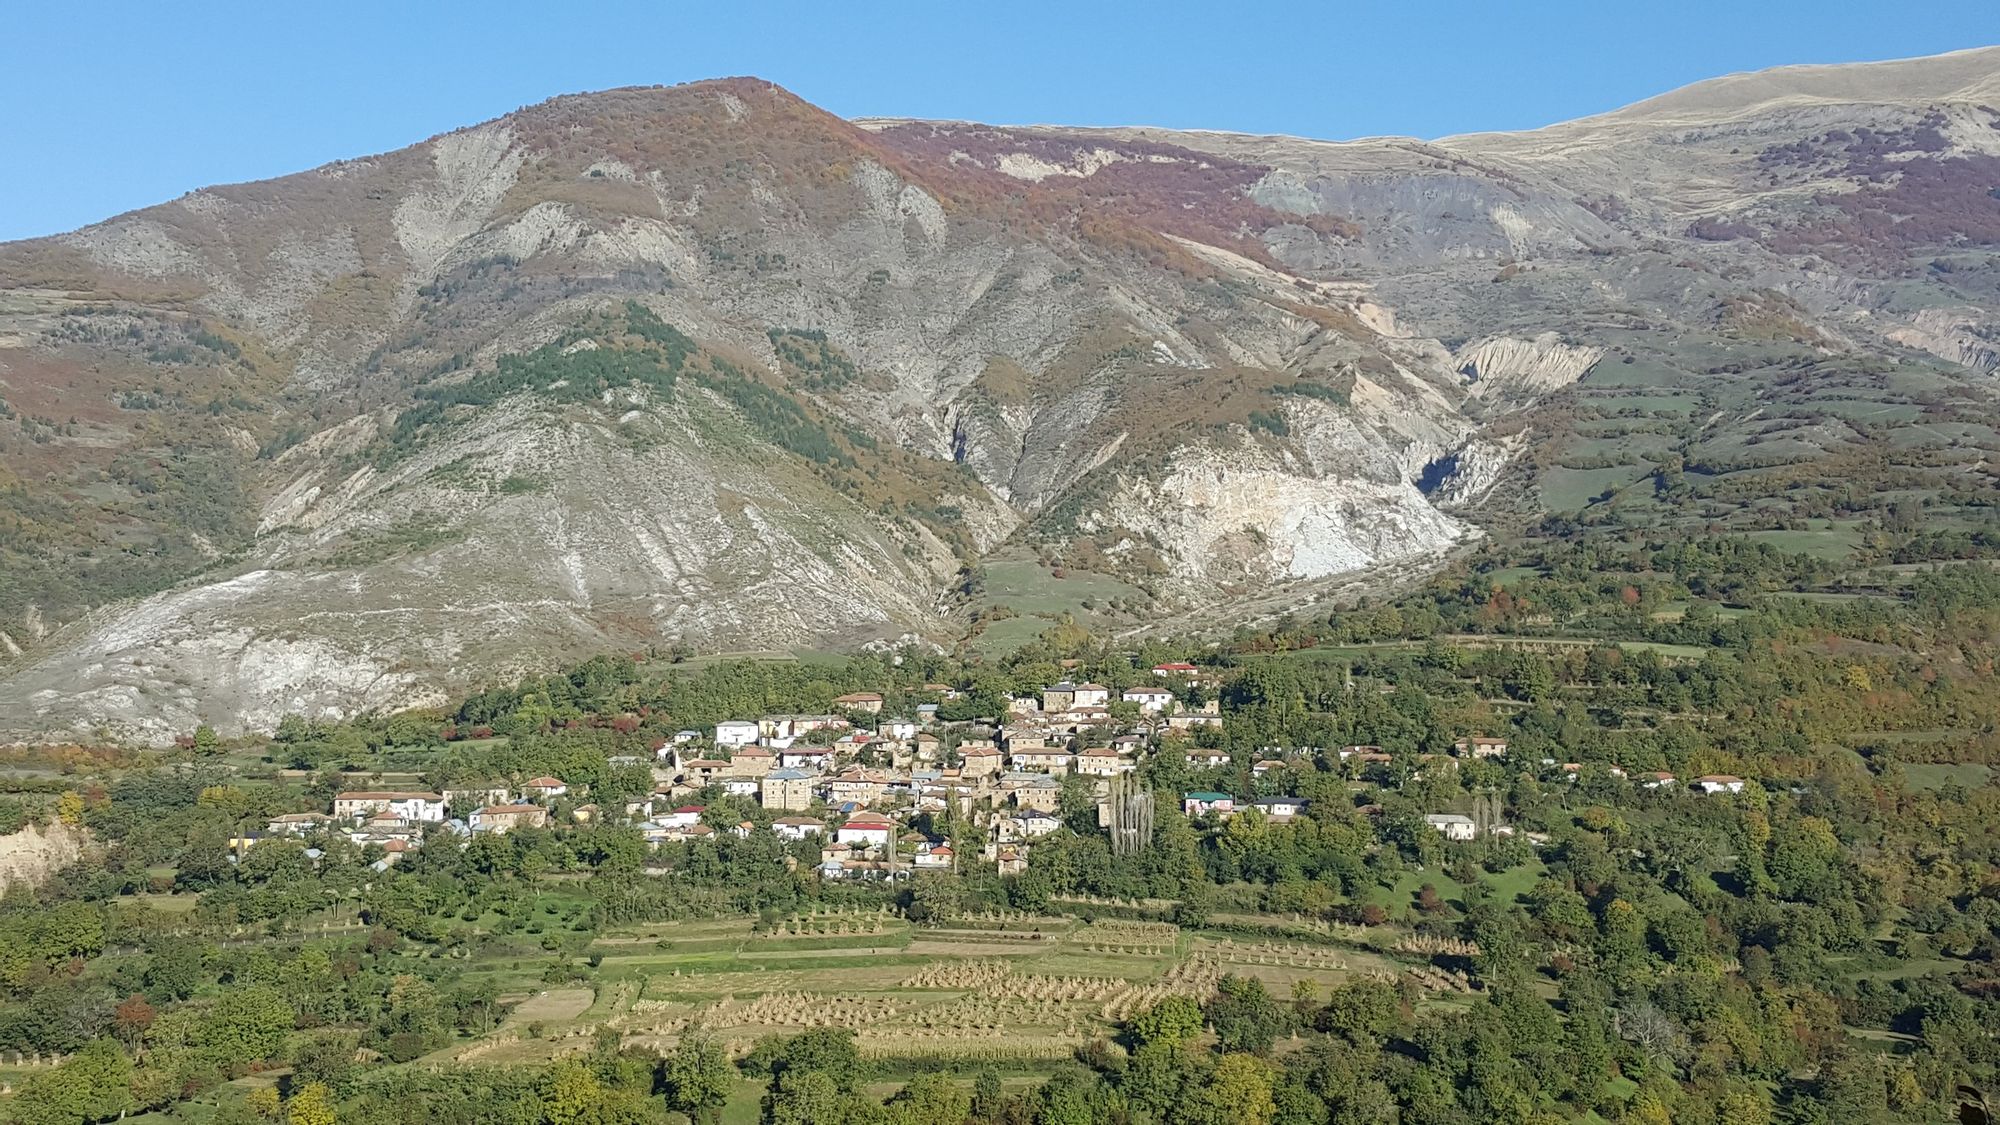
(797, 827)
(865, 830)
(740, 786)
(544, 787)
(805, 757)
(1719, 783)
(298, 823)
(1453, 825)
(1477, 747)
(934, 856)
(685, 817)
(1280, 808)
(427, 807)
(1091, 695)
(1065, 695)
(1030, 824)
(898, 729)
(1151, 700)
(735, 732)
(1658, 779)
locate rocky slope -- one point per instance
(706, 365)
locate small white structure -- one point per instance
(1454, 826)
(797, 827)
(1719, 783)
(735, 732)
(1029, 825)
(1477, 747)
(683, 818)
(1151, 700)
(1280, 808)
(544, 788)
(865, 830)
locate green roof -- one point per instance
(1210, 797)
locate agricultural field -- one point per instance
(1039, 597)
(998, 988)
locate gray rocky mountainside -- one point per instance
(705, 366)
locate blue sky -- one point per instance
(112, 106)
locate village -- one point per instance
(854, 779)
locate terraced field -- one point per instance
(990, 988)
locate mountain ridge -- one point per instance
(706, 365)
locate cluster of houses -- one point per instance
(396, 819)
(1005, 777)
(1453, 826)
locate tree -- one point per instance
(95, 1085)
(698, 1078)
(827, 1050)
(1030, 890)
(69, 808)
(1743, 1107)
(806, 1097)
(570, 1093)
(1065, 1099)
(934, 898)
(1153, 1080)
(132, 1017)
(1363, 1011)
(248, 1024)
(311, 1105)
(206, 743)
(1246, 1016)
(1170, 1022)
(988, 1095)
(930, 1099)
(1237, 1093)
(174, 971)
(263, 1101)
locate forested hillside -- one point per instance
(1818, 945)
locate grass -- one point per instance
(1935, 775)
(1033, 588)
(1571, 490)
(1834, 540)
(1041, 599)
(1900, 970)
(1508, 886)
(1514, 575)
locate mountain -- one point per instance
(706, 367)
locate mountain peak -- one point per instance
(707, 365)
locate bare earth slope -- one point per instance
(707, 365)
